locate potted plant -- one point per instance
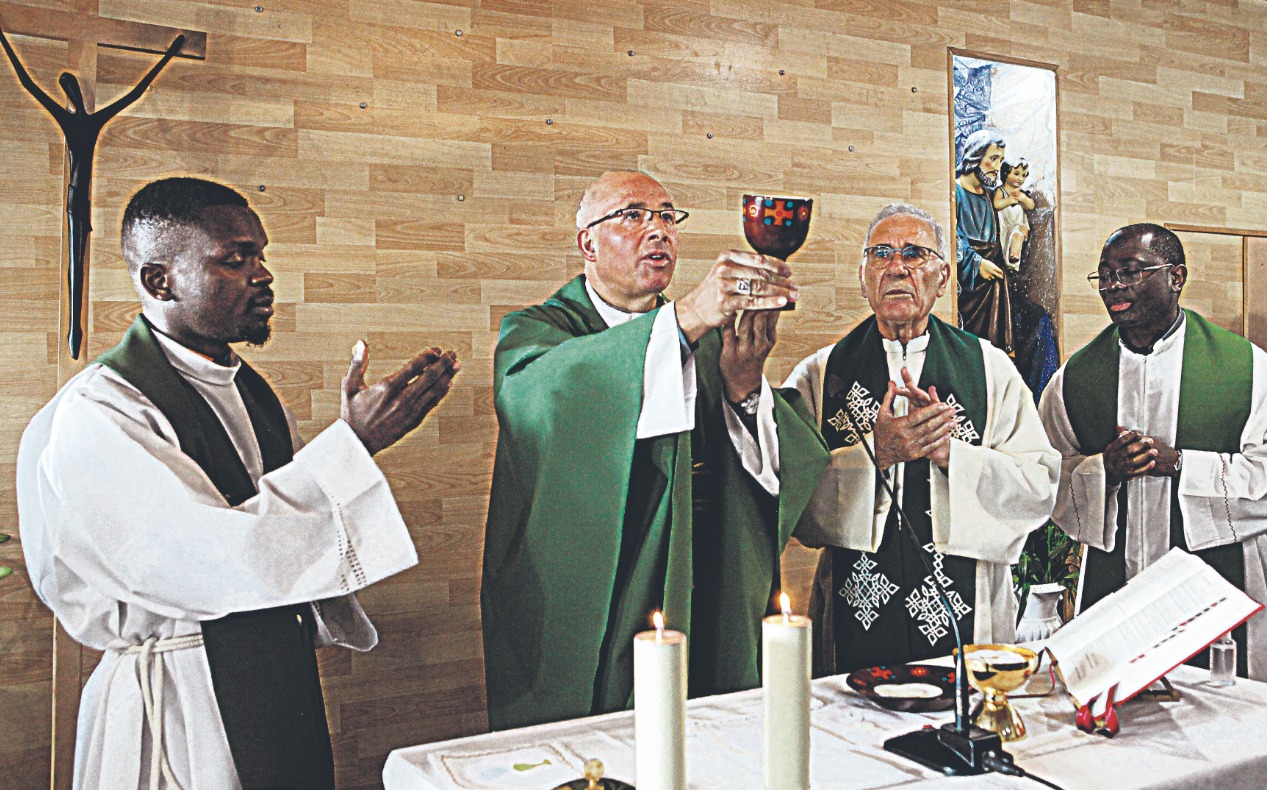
(1046, 573)
(5, 570)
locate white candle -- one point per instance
(785, 674)
(660, 708)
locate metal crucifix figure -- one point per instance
(81, 130)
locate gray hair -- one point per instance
(893, 209)
(974, 149)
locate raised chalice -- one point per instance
(995, 670)
(776, 226)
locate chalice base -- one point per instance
(997, 715)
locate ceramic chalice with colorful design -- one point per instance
(776, 226)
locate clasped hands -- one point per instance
(383, 414)
(756, 285)
(1134, 454)
(924, 432)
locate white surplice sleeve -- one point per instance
(995, 494)
(668, 380)
(668, 403)
(111, 509)
(1085, 508)
(1223, 496)
(845, 510)
(759, 455)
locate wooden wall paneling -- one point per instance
(1215, 286)
(448, 200)
(1255, 252)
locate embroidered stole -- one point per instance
(263, 664)
(886, 609)
(1215, 394)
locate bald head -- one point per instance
(629, 259)
(605, 195)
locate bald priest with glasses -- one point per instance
(643, 463)
(956, 433)
(1162, 422)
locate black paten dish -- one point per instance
(865, 682)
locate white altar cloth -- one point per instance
(1211, 738)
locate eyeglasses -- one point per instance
(633, 217)
(1125, 276)
(912, 256)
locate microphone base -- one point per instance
(950, 751)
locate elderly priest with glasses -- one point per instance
(1162, 422)
(643, 463)
(956, 434)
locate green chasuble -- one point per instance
(1215, 392)
(590, 530)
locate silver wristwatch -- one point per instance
(748, 405)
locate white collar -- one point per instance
(193, 365)
(1167, 341)
(916, 345)
(614, 316)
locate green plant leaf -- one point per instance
(5, 571)
(3, 537)
(1045, 559)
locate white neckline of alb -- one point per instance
(194, 365)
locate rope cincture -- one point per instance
(151, 676)
(1227, 506)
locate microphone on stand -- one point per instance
(959, 749)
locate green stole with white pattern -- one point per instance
(885, 608)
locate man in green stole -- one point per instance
(955, 430)
(643, 463)
(1162, 423)
(171, 519)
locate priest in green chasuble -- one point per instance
(643, 463)
(1162, 423)
(956, 433)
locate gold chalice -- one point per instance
(594, 779)
(994, 670)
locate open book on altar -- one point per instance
(1168, 613)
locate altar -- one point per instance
(1210, 738)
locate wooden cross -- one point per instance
(84, 30)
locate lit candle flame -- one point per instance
(658, 620)
(785, 604)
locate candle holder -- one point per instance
(994, 670)
(594, 780)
